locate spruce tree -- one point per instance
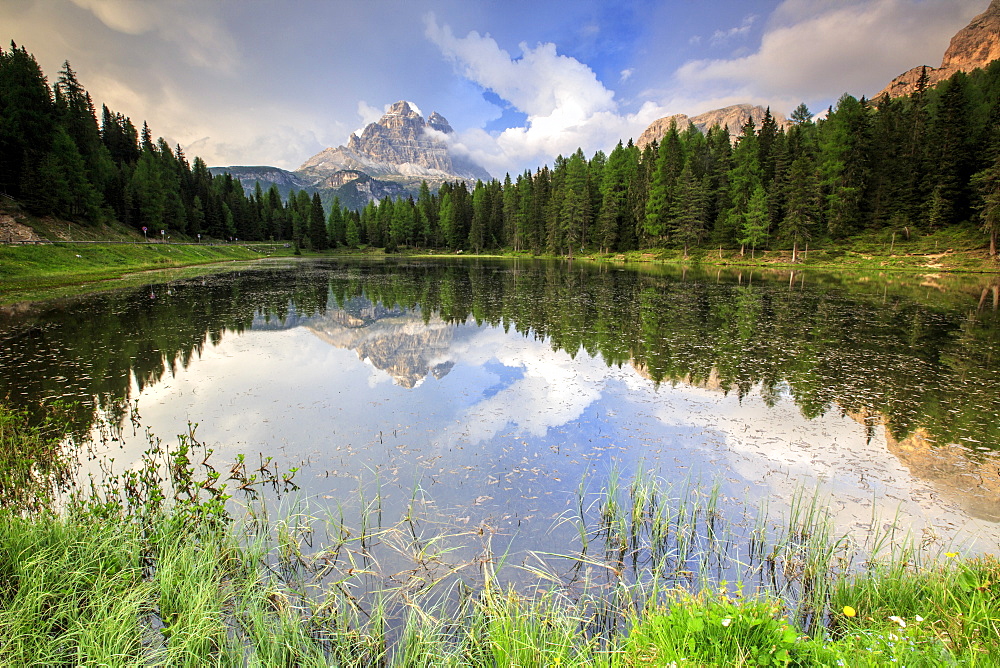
(802, 204)
(318, 237)
(754, 231)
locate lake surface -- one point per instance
(498, 394)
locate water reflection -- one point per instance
(496, 387)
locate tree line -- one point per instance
(57, 159)
(923, 162)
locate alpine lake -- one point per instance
(455, 417)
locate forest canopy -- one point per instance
(918, 163)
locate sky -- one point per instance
(264, 82)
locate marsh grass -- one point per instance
(34, 460)
(175, 562)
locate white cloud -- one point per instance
(723, 36)
(817, 49)
(566, 105)
(626, 74)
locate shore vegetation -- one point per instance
(176, 562)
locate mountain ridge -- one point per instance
(390, 158)
(974, 46)
(732, 117)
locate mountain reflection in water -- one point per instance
(501, 385)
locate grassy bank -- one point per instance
(953, 250)
(48, 270)
(31, 272)
(156, 566)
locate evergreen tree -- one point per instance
(951, 158)
(754, 231)
(335, 224)
(802, 210)
(480, 216)
(319, 239)
(662, 189)
(427, 216)
(843, 144)
(689, 210)
(575, 212)
(450, 228)
(27, 122)
(353, 231)
(744, 180)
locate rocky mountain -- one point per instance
(401, 146)
(974, 46)
(266, 176)
(390, 159)
(732, 117)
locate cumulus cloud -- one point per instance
(819, 48)
(566, 105)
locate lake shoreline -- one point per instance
(120, 574)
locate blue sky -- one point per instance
(268, 82)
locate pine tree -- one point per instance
(744, 179)
(986, 184)
(754, 231)
(689, 210)
(319, 239)
(480, 215)
(662, 189)
(27, 122)
(427, 216)
(951, 163)
(843, 144)
(450, 228)
(575, 213)
(335, 224)
(802, 210)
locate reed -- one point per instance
(159, 565)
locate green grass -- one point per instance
(157, 566)
(56, 270)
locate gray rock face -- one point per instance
(974, 46)
(732, 117)
(400, 144)
(249, 177)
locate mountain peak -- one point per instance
(732, 117)
(397, 146)
(974, 46)
(402, 108)
(440, 123)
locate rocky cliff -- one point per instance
(266, 176)
(974, 46)
(400, 146)
(732, 117)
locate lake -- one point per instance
(500, 397)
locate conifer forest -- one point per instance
(918, 163)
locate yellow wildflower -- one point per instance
(849, 611)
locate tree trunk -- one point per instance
(993, 243)
(795, 252)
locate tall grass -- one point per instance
(159, 566)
